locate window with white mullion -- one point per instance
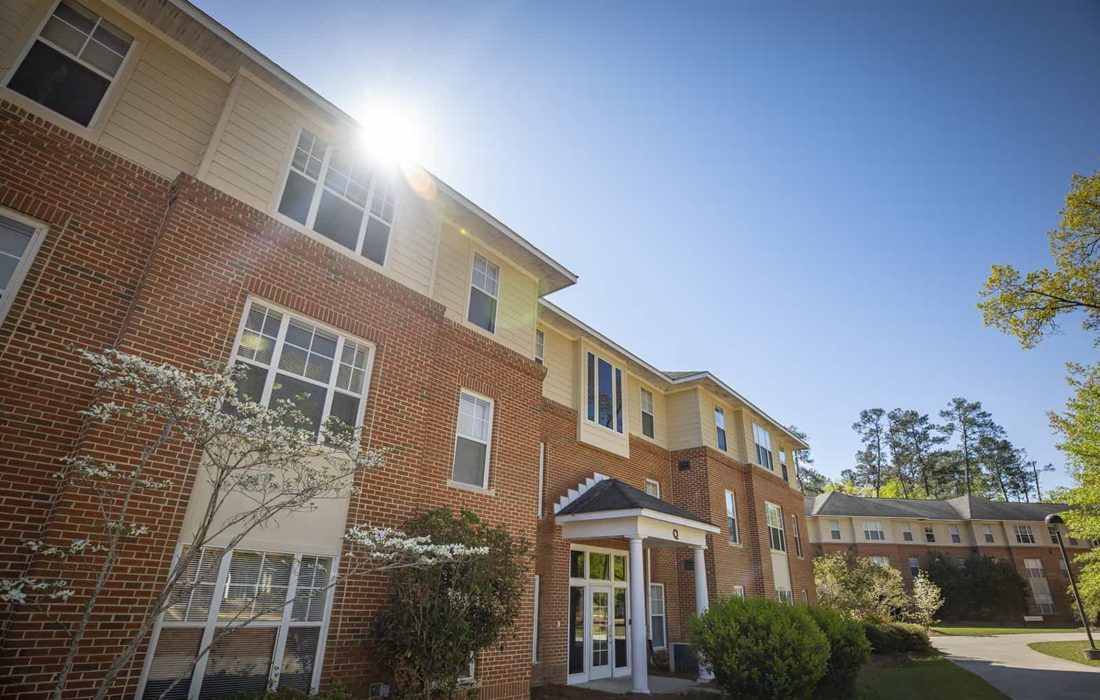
(484, 293)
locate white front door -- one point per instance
(599, 632)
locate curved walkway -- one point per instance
(1022, 673)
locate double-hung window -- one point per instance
(475, 430)
(797, 536)
(929, 534)
(1024, 534)
(783, 463)
(657, 615)
(987, 532)
(834, 529)
(335, 192)
(1040, 587)
(720, 427)
(880, 560)
(320, 372)
(731, 518)
(645, 400)
(540, 347)
(763, 442)
(605, 393)
(1053, 531)
(283, 598)
(776, 537)
(19, 241)
(956, 537)
(784, 595)
(906, 533)
(914, 566)
(872, 530)
(653, 487)
(73, 61)
(484, 294)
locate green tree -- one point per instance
(926, 601)
(810, 481)
(969, 422)
(1030, 306)
(857, 587)
(435, 622)
(913, 438)
(871, 460)
(978, 588)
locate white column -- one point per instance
(702, 601)
(639, 658)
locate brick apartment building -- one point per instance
(168, 191)
(903, 532)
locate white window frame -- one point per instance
(721, 437)
(484, 486)
(914, 566)
(762, 440)
(873, 532)
(283, 626)
(1024, 534)
(654, 483)
(123, 67)
(906, 533)
(734, 532)
(797, 536)
(273, 367)
(774, 520)
(784, 595)
(388, 194)
(987, 533)
(834, 530)
(489, 267)
(929, 534)
(738, 591)
(783, 463)
(540, 346)
(879, 560)
(956, 536)
(653, 585)
(645, 403)
(592, 393)
(23, 267)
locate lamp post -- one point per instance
(1056, 520)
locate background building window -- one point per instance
(18, 244)
(484, 287)
(987, 532)
(475, 427)
(720, 428)
(880, 561)
(72, 62)
(797, 536)
(731, 518)
(605, 393)
(914, 566)
(929, 534)
(872, 530)
(322, 373)
(657, 615)
(540, 347)
(783, 463)
(906, 533)
(1024, 534)
(653, 488)
(646, 402)
(834, 529)
(955, 536)
(763, 442)
(776, 537)
(328, 190)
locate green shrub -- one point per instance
(987, 589)
(848, 651)
(896, 637)
(761, 648)
(292, 694)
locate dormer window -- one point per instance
(605, 393)
(73, 61)
(337, 194)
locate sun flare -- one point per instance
(392, 134)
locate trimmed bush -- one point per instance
(848, 651)
(292, 694)
(896, 637)
(761, 648)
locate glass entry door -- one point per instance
(600, 632)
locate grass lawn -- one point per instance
(980, 630)
(899, 677)
(1071, 651)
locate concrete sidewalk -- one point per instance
(1022, 673)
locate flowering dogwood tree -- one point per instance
(256, 464)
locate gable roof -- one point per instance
(612, 494)
(961, 508)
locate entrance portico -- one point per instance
(604, 627)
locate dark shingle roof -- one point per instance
(927, 509)
(612, 494)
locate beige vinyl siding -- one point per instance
(660, 415)
(682, 409)
(166, 112)
(560, 360)
(17, 20)
(249, 158)
(517, 303)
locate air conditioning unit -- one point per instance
(682, 659)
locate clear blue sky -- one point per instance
(803, 198)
